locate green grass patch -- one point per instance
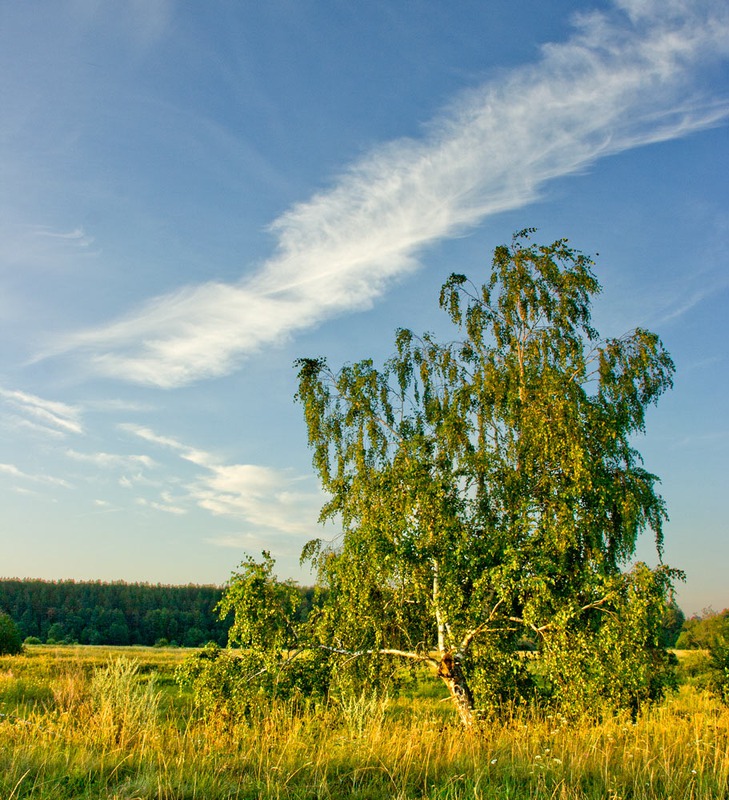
(89, 722)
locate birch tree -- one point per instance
(486, 487)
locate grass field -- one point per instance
(99, 722)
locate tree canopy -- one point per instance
(489, 492)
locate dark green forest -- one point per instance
(114, 613)
(119, 613)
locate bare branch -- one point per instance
(472, 634)
(383, 651)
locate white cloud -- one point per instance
(199, 457)
(14, 472)
(41, 248)
(77, 237)
(15, 422)
(47, 416)
(167, 508)
(623, 80)
(10, 469)
(261, 496)
(108, 460)
(150, 436)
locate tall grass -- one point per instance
(102, 730)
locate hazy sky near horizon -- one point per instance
(194, 195)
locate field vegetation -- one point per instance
(479, 627)
(100, 722)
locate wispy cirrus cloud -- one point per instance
(46, 416)
(77, 237)
(15, 472)
(199, 457)
(40, 248)
(167, 505)
(626, 78)
(112, 460)
(263, 497)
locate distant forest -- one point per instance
(114, 613)
(119, 613)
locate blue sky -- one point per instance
(192, 195)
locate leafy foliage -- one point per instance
(270, 664)
(673, 621)
(614, 658)
(265, 608)
(703, 630)
(489, 493)
(93, 612)
(10, 642)
(708, 632)
(235, 684)
(222, 682)
(489, 487)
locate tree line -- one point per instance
(115, 613)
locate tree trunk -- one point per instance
(451, 673)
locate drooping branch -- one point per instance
(548, 626)
(382, 651)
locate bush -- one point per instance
(10, 641)
(719, 655)
(237, 684)
(702, 631)
(223, 682)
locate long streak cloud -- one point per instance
(624, 79)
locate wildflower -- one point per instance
(494, 760)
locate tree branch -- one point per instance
(383, 651)
(472, 634)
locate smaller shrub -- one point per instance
(239, 684)
(223, 682)
(719, 656)
(10, 641)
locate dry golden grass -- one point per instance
(89, 726)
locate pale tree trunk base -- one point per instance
(451, 673)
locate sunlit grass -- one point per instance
(92, 726)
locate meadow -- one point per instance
(102, 722)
